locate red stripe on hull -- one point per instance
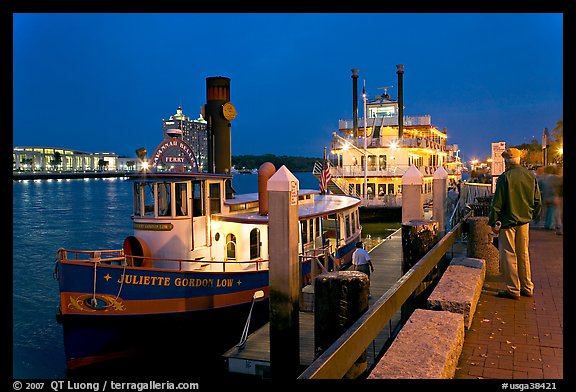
(75, 303)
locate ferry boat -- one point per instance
(197, 263)
(369, 155)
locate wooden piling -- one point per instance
(340, 299)
(283, 231)
(439, 203)
(418, 237)
(412, 205)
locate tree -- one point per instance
(57, 161)
(130, 165)
(557, 144)
(102, 164)
(531, 153)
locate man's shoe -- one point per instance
(507, 294)
(525, 293)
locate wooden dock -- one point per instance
(254, 357)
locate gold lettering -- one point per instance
(224, 282)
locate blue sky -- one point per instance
(104, 81)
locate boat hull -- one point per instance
(157, 342)
(112, 311)
(369, 214)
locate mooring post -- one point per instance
(283, 231)
(340, 298)
(412, 206)
(418, 237)
(481, 246)
(439, 202)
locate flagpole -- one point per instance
(325, 185)
(365, 156)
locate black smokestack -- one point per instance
(355, 101)
(219, 142)
(400, 72)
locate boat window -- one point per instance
(381, 189)
(330, 230)
(307, 228)
(371, 162)
(347, 226)
(382, 162)
(370, 190)
(137, 199)
(255, 243)
(164, 199)
(148, 198)
(181, 198)
(214, 198)
(390, 189)
(353, 219)
(197, 199)
(230, 247)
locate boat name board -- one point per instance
(161, 154)
(147, 280)
(153, 226)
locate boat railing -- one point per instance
(387, 171)
(101, 256)
(382, 201)
(387, 121)
(430, 142)
(117, 257)
(373, 171)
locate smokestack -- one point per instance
(400, 72)
(219, 142)
(355, 101)
(265, 171)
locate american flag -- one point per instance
(325, 176)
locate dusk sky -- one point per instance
(103, 82)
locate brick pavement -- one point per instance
(520, 339)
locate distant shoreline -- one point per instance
(67, 175)
(78, 175)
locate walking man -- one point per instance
(361, 260)
(515, 203)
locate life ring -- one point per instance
(134, 246)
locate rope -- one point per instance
(94, 303)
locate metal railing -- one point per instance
(337, 359)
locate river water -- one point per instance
(74, 214)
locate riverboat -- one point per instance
(369, 155)
(197, 263)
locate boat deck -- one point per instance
(254, 358)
